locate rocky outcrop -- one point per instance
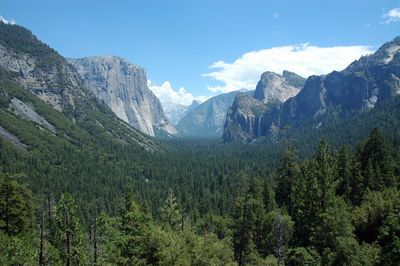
(243, 122)
(245, 119)
(207, 120)
(123, 87)
(277, 88)
(354, 90)
(28, 112)
(40, 69)
(349, 92)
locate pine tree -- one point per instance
(15, 205)
(376, 164)
(345, 163)
(170, 212)
(69, 232)
(288, 172)
(248, 221)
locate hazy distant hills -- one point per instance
(207, 119)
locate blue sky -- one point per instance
(178, 40)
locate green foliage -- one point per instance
(376, 165)
(70, 239)
(15, 211)
(17, 250)
(389, 238)
(288, 172)
(170, 213)
(373, 211)
(302, 256)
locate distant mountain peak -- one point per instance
(273, 87)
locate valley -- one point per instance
(96, 170)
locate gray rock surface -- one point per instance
(29, 113)
(245, 121)
(123, 87)
(58, 83)
(13, 139)
(273, 87)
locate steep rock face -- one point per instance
(123, 87)
(354, 90)
(243, 122)
(40, 69)
(207, 120)
(245, 119)
(278, 88)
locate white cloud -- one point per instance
(392, 15)
(276, 15)
(167, 94)
(303, 59)
(5, 21)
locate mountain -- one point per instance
(175, 112)
(244, 121)
(123, 87)
(39, 86)
(243, 118)
(207, 120)
(338, 95)
(278, 88)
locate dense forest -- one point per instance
(223, 205)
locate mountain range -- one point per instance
(338, 95)
(116, 90)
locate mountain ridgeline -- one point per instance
(338, 95)
(27, 63)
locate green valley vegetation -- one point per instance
(334, 208)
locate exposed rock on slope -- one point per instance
(244, 120)
(278, 88)
(40, 69)
(25, 61)
(123, 87)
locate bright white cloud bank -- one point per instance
(167, 94)
(392, 16)
(5, 21)
(303, 59)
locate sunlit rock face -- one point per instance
(123, 87)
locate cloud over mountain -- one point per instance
(304, 59)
